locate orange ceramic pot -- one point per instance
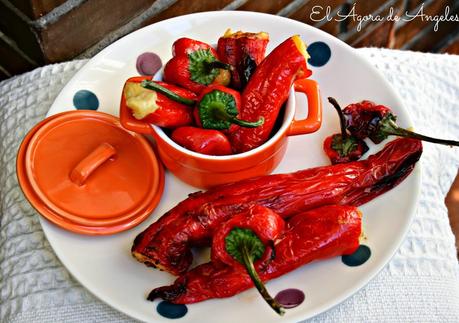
(205, 171)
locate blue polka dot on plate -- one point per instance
(148, 64)
(85, 100)
(320, 53)
(359, 257)
(171, 311)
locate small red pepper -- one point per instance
(377, 122)
(244, 51)
(195, 65)
(204, 141)
(218, 107)
(152, 103)
(267, 90)
(342, 147)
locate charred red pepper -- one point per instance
(218, 107)
(204, 141)
(377, 122)
(153, 106)
(320, 233)
(195, 65)
(246, 238)
(166, 244)
(266, 224)
(244, 51)
(342, 147)
(267, 90)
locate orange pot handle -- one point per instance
(90, 163)
(131, 123)
(314, 119)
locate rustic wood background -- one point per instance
(38, 32)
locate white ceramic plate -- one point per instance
(104, 264)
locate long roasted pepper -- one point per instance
(166, 244)
(320, 233)
(267, 90)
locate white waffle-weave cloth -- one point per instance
(420, 284)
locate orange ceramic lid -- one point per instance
(84, 172)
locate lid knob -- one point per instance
(91, 162)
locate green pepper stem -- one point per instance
(247, 124)
(342, 120)
(217, 64)
(389, 127)
(168, 93)
(258, 283)
(218, 111)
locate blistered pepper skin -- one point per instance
(363, 118)
(266, 92)
(244, 51)
(321, 233)
(166, 244)
(185, 46)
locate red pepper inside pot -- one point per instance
(244, 51)
(204, 141)
(342, 147)
(218, 107)
(195, 65)
(267, 90)
(153, 104)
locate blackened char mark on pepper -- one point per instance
(248, 67)
(193, 220)
(383, 177)
(167, 292)
(404, 170)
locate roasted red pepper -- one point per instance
(247, 239)
(266, 224)
(342, 147)
(153, 106)
(204, 141)
(195, 65)
(267, 91)
(377, 122)
(320, 233)
(243, 51)
(167, 243)
(218, 107)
